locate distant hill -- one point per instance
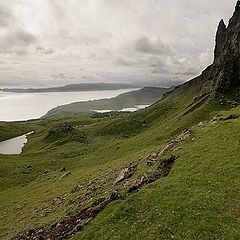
(144, 96)
(73, 88)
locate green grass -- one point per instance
(198, 200)
(13, 129)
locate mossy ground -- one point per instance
(198, 200)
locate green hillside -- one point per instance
(11, 130)
(144, 96)
(187, 203)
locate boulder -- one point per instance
(167, 148)
(75, 188)
(125, 173)
(58, 200)
(66, 127)
(122, 175)
(184, 135)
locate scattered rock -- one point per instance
(68, 225)
(177, 149)
(213, 121)
(165, 166)
(65, 175)
(163, 169)
(167, 148)
(115, 196)
(230, 117)
(75, 188)
(184, 135)
(201, 124)
(98, 201)
(154, 155)
(122, 175)
(63, 169)
(232, 104)
(58, 200)
(150, 162)
(66, 127)
(19, 207)
(125, 173)
(46, 171)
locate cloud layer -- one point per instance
(54, 42)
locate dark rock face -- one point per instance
(220, 39)
(224, 73)
(66, 127)
(227, 65)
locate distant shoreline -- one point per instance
(81, 87)
(26, 106)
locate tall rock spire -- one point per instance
(220, 39)
(237, 8)
(224, 73)
(235, 20)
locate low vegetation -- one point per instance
(70, 164)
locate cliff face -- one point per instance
(226, 67)
(220, 39)
(224, 73)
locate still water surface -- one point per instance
(25, 106)
(14, 145)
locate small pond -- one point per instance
(14, 145)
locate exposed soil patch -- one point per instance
(230, 117)
(74, 223)
(163, 169)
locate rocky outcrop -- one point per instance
(224, 73)
(220, 39)
(75, 222)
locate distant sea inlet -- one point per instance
(25, 106)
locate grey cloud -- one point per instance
(175, 67)
(59, 75)
(125, 62)
(17, 41)
(6, 17)
(157, 47)
(13, 38)
(42, 50)
(146, 42)
(57, 10)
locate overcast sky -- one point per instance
(56, 42)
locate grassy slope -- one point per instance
(192, 202)
(198, 200)
(144, 96)
(11, 130)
